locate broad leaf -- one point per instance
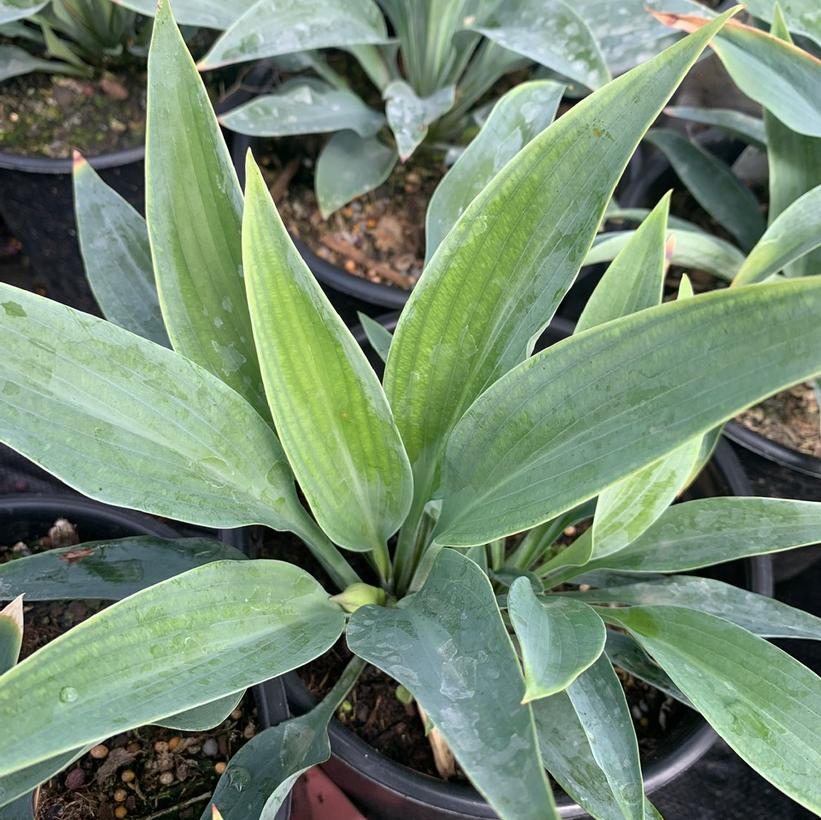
(409, 115)
(107, 570)
(599, 702)
(57, 699)
(759, 699)
(128, 422)
(448, 646)
(691, 249)
(273, 27)
(801, 16)
(793, 233)
(260, 775)
(596, 407)
(552, 33)
(499, 275)
(205, 717)
(515, 120)
(218, 14)
(21, 783)
(778, 75)
(558, 642)
(713, 185)
(349, 166)
(329, 409)
(616, 213)
(16, 61)
(379, 337)
(194, 213)
(756, 613)
(714, 530)
(116, 254)
(745, 126)
(11, 633)
(304, 106)
(11, 10)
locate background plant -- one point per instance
(470, 441)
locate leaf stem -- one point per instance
(321, 547)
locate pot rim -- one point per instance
(62, 165)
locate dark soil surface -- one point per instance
(149, 773)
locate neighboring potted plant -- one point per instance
(471, 441)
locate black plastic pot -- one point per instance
(385, 790)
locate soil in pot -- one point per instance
(148, 773)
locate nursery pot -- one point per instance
(384, 789)
(645, 192)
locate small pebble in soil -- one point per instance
(236, 714)
(99, 752)
(120, 795)
(248, 732)
(128, 776)
(173, 743)
(210, 748)
(166, 778)
(160, 747)
(75, 779)
(569, 531)
(219, 768)
(120, 812)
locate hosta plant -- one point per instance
(210, 398)
(66, 36)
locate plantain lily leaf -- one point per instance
(601, 707)
(784, 79)
(107, 570)
(260, 775)
(746, 127)
(218, 14)
(801, 16)
(568, 757)
(515, 120)
(691, 249)
(20, 784)
(379, 337)
(448, 646)
(349, 166)
(713, 185)
(714, 530)
(752, 693)
(16, 61)
(618, 214)
(330, 411)
(756, 613)
(273, 27)
(509, 464)
(11, 633)
(57, 700)
(126, 407)
(194, 215)
(558, 642)
(794, 162)
(120, 273)
(304, 106)
(205, 717)
(11, 10)
(550, 32)
(795, 232)
(520, 242)
(410, 115)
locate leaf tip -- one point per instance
(78, 161)
(215, 813)
(14, 612)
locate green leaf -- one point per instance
(128, 422)
(515, 120)
(349, 166)
(117, 257)
(625, 653)
(11, 633)
(794, 162)
(11, 10)
(599, 702)
(550, 32)
(107, 570)
(194, 216)
(57, 699)
(792, 234)
(760, 615)
(218, 14)
(558, 642)
(15, 61)
(273, 27)
(641, 386)
(379, 337)
(568, 757)
(714, 530)
(713, 185)
(448, 646)
(502, 271)
(205, 717)
(409, 115)
(635, 278)
(746, 127)
(800, 15)
(618, 214)
(691, 249)
(260, 775)
(304, 106)
(330, 411)
(21, 783)
(759, 699)
(778, 75)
